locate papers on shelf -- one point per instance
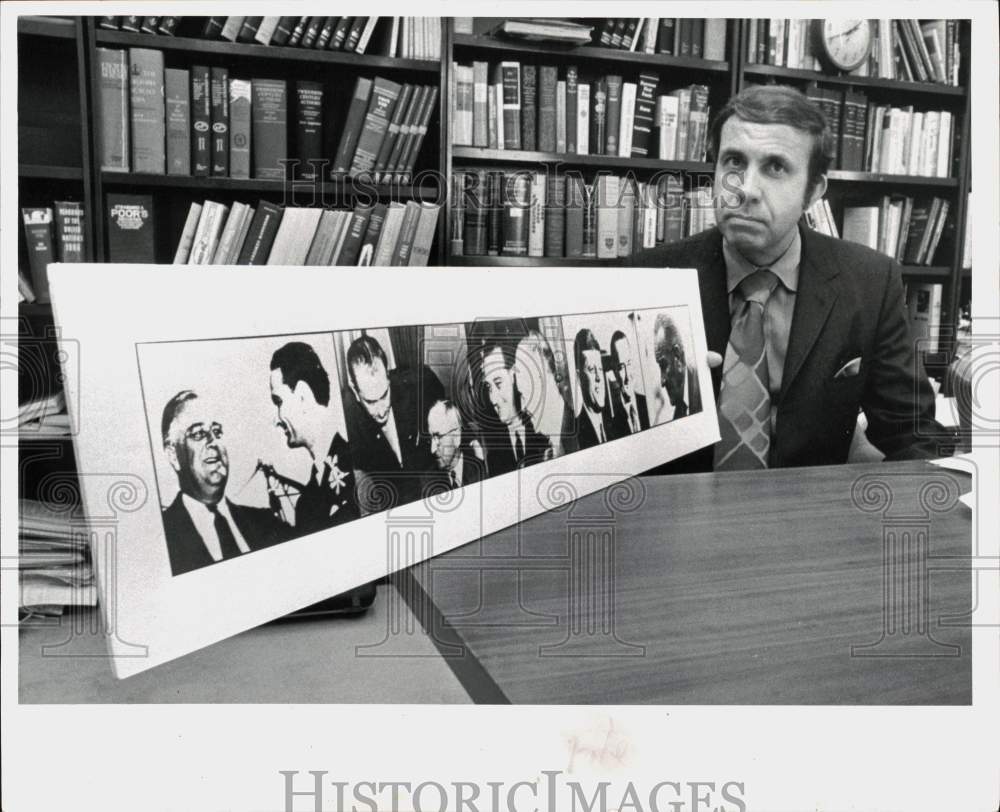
(54, 559)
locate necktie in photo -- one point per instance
(454, 479)
(601, 435)
(745, 396)
(633, 418)
(227, 541)
(518, 447)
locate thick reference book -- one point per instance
(352, 126)
(381, 105)
(38, 235)
(240, 102)
(264, 225)
(308, 129)
(548, 76)
(201, 120)
(177, 87)
(269, 128)
(113, 107)
(529, 106)
(71, 243)
(220, 119)
(131, 228)
(148, 123)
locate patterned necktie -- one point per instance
(227, 541)
(745, 396)
(633, 419)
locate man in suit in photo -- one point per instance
(386, 422)
(593, 422)
(201, 525)
(811, 328)
(460, 458)
(300, 391)
(508, 431)
(631, 415)
(678, 379)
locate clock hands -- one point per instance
(848, 31)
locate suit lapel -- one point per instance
(813, 303)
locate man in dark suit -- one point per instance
(201, 525)
(812, 328)
(386, 412)
(678, 378)
(593, 422)
(300, 391)
(631, 415)
(460, 459)
(508, 432)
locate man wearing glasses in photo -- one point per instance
(460, 459)
(202, 526)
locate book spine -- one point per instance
(536, 224)
(299, 31)
(494, 197)
(407, 233)
(413, 147)
(131, 225)
(366, 35)
(70, 236)
(131, 24)
(574, 215)
(260, 236)
(312, 31)
(494, 102)
(423, 240)
(665, 40)
(456, 223)
(177, 87)
(283, 30)
(38, 235)
(323, 39)
(149, 25)
(108, 23)
(341, 32)
(480, 91)
(645, 107)
(352, 126)
(116, 149)
(187, 235)
(354, 34)
(547, 78)
(516, 212)
(476, 215)
(407, 128)
(583, 118)
(381, 106)
(529, 107)
(308, 129)
(355, 234)
(249, 29)
(231, 29)
(511, 84)
(240, 102)
(269, 128)
(560, 116)
(148, 123)
(168, 25)
(625, 210)
(392, 133)
(465, 89)
(589, 220)
(375, 223)
(213, 27)
(627, 121)
(555, 215)
(201, 120)
(697, 37)
(220, 122)
(572, 110)
(606, 189)
(598, 116)
(388, 238)
(266, 30)
(614, 112)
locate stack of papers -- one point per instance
(44, 417)
(54, 558)
(545, 30)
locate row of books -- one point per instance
(268, 234)
(907, 50)
(203, 122)
(903, 227)
(512, 106)
(687, 36)
(407, 37)
(524, 213)
(923, 308)
(52, 234)
(882, 138)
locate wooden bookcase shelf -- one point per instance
(522, 157)
(531, 262)
(42, 172)
(56, 27)
(239, 51)
(844, 176)
(860, 82)
(587, 54)
(927, 272)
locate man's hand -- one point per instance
(713, 359)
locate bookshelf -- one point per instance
(59, 155)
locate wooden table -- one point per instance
(798, 586)
(298, 661)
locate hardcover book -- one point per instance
(177, 87)
(131, 228)
(240, 102)
(220, 121)
(269, 128)
(113, 106)
(148, 123)
(201, 120)
(308, 129)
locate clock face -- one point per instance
(845, 42)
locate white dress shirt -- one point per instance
(204, 523)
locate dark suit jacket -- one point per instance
(585, 434)
(849, 304)
(622, 428)
(500, 453)
(473, 468)
(258, 527)
(412, 393)
(314, 509)
(693, 394)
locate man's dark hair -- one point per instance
(504, 345)
(298, 362)
(585, 340)
(779, 104)
(617, 336)
(364, 350)
(171, 410)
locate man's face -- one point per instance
(197, 453)
(592, 380)
(670, 358)
(446, 435)
(623, 367)
(761, 180)
(371, 386)
(499, 386)
(291, 409)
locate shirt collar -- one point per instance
(786, 267)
